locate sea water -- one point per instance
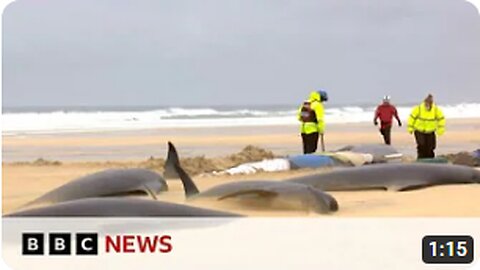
(50, 120)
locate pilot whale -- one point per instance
(269, 194)
(111, 182)
(395, 176)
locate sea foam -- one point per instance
(66, 121)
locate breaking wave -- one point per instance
(65, 121)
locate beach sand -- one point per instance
(81, 154)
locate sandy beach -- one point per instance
(83, 153)
(462, 134)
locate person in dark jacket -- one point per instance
(385, 112)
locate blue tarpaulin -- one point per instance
(310, 161)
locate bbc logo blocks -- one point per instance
(59, 244)
(32, 244)
(86, 244)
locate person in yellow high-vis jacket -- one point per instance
(425, 121)
(310, 114)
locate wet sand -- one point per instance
(282, 140)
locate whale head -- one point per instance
(476, 175)
(324, 202)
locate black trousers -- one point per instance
(426, 144)
(310, 142)
(386, 133)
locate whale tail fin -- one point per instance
(174, 170)
(188, 184)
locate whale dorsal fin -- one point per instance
(173, 169)
(172, 158)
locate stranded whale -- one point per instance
(395, 176)
(262, 193)
(112, 182)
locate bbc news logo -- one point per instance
(60, 243)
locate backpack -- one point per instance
(307, 114)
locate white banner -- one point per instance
(241, 243)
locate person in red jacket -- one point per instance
(385, 112)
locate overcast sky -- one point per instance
(240, 52)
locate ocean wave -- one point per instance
(64, 121)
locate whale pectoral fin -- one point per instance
(258, 192)
(395, 188)
(408, 185)
(149, 192)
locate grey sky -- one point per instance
(189, 52)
